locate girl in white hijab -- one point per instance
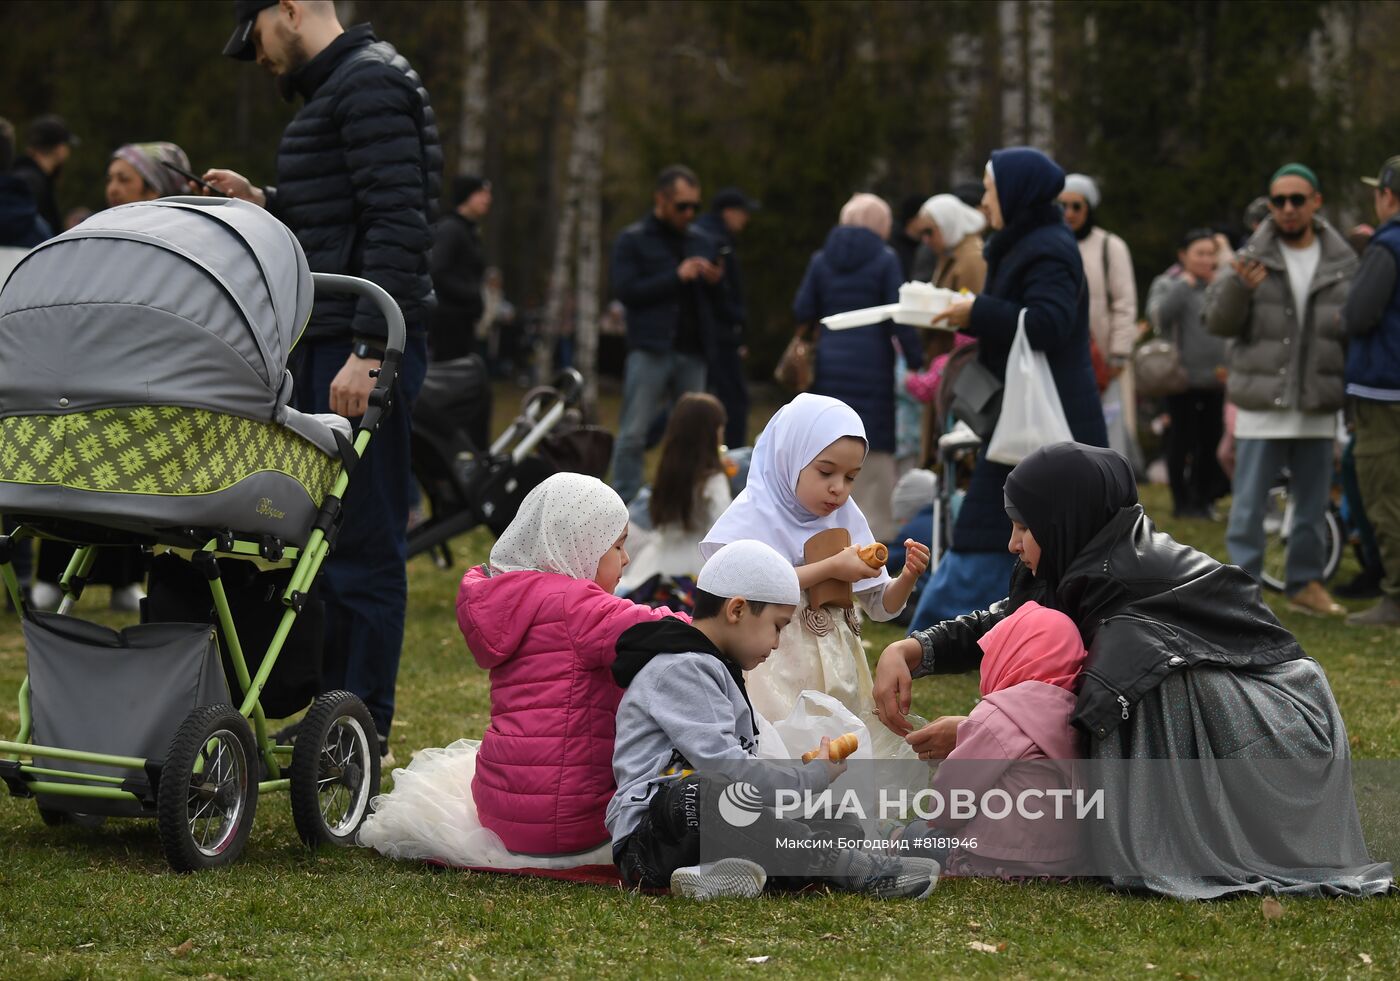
(799, 485)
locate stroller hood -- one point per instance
(181, 301)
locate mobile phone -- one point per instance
(193, 178)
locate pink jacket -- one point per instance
(1024, 723)
(544, 772)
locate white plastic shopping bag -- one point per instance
(1031, 413)
(815, 715)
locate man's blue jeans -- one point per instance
(648, 379)
(364, 583)
(1258, 463)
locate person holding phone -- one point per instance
(726, 220)
(359, 172)
(664, 272)
(1279, 304)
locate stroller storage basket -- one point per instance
(115, 692)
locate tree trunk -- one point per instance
(964, 55)
(588, 147)
(471, 132)
(1040, 72)
(1013, 73)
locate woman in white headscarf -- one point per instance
(956, 238)
(1112, 286)
(800, 485)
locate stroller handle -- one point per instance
(393, 316)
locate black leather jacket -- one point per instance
(1146, 606)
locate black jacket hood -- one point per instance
(638, 645)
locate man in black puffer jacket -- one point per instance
(359, 171)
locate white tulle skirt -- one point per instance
(430, 814)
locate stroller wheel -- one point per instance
(335, 770)
(208, 790)
(55, 819)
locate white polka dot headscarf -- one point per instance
(565, 525)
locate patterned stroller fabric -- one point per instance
(144, 385)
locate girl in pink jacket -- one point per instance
(1016, 740)
(541, 617)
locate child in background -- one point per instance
(911, 503)
(804, 465)
(1031, 663)
(690, 492)
(686, 730)
(542, 617)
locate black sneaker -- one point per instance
(1366, 584)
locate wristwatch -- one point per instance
(365, 350)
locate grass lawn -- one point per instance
(101, 903)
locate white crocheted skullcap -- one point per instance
(750, 570)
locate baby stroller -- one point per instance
(144, 400)
(466, 487)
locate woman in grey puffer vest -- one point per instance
(1175, 306)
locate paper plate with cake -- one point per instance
(918, 304)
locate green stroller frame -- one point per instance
(204, 792)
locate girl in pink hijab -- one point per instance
(1012, 741)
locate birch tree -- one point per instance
(579, 231)
(588, 148)
(471, 132)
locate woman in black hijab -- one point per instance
(1186, 662)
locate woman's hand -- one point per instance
(937, 739)
(894, 682)
(958, 314)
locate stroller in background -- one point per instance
(466, 487)
(144, 399)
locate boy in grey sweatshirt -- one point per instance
(686, 731)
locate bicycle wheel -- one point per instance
(1278, 524)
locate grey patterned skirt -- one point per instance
(1233, 781)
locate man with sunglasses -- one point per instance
(664, 271)
(1372, 320)
(1280, 304)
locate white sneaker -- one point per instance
(127, 599)
(45, 595)
(734, 877)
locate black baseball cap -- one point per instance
(732, 197)
(240, 45)
(47, 132)
(465, 186)
(1388, 177)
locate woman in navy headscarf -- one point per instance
(1032, 263)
